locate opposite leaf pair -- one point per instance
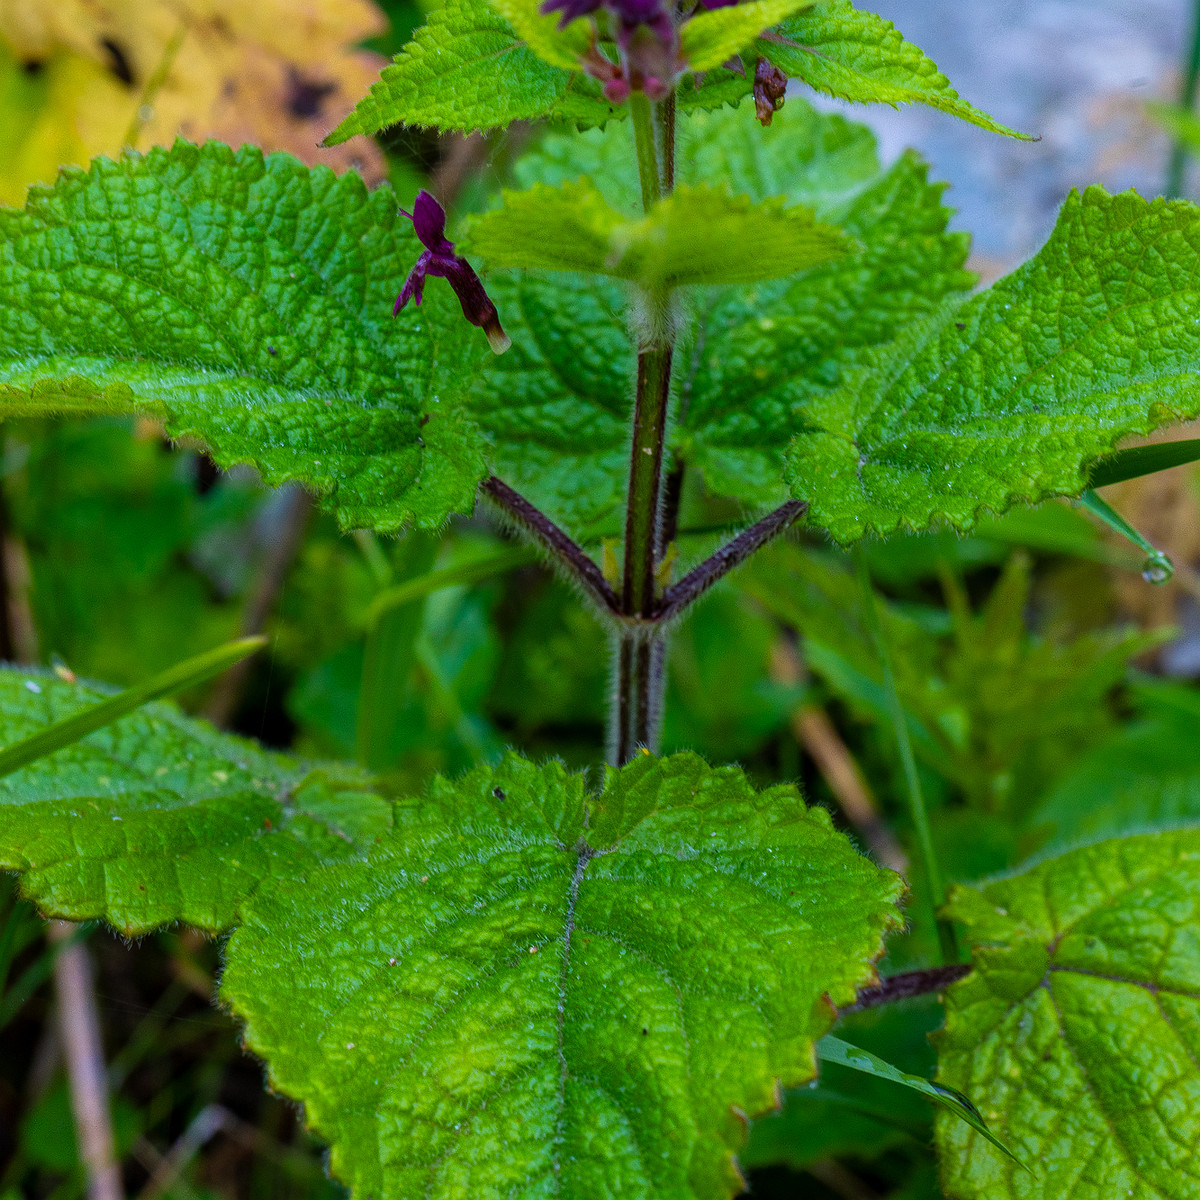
(476, 65)
(505, 982)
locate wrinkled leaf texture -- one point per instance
(1009, 396)
(246, 301)
(159, 818)
(1078, 1031)
(532, 990)
(555, 407)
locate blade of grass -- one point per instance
(834, 1050)
(175, 679)
(947, 941)
(1142, 460)
(1158, 568)
(388, 657)
(461, 574)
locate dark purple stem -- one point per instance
(907, 985)
(695, 583)
(565, 553)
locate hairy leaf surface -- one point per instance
(1078, 1032)
(540, 32)
(1009, 396)
(761, 352)
(696, 235)
(531, 990)
(855, 55)
(467, 68)
(160, 818)
(710, 38)
(247, 302)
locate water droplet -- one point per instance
(1158, 568)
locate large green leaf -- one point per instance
(1078, 1031)
(247, 301)
(159, 818)
(468, 68)
(556, 405)
(760, 355)
(696, 235)
(1008, 397)
(854, 55)
(530, 990)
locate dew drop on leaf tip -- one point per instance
(1158, 568)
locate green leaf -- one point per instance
(532, 990)
(169, 683)
(711, 38)
(858, 56)
(832, 1049)
(847, 1113)
(556, 410)
(993, 404)
(694, 235)
(1145, 776)
(992, 708)
(540, 32)
(1078, 1031)
(467, 68)
(247, 302)
(463, 574)
(158, 818)
(711, 90)
(568, 228)
(555, 407)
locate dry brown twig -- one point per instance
(79, 1029)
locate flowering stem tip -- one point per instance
(438, 258)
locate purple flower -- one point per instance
(438, 258)
(647, 42)
(571, 9)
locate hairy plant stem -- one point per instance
(640, 647)
(564, 553)
(907, 985)
(695, 583)
(641, 114)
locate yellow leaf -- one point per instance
(81, 77)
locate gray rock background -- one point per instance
(1073, 72)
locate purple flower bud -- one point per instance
(570, 9)
(438, 259)
(770, 87)
(646, 37)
